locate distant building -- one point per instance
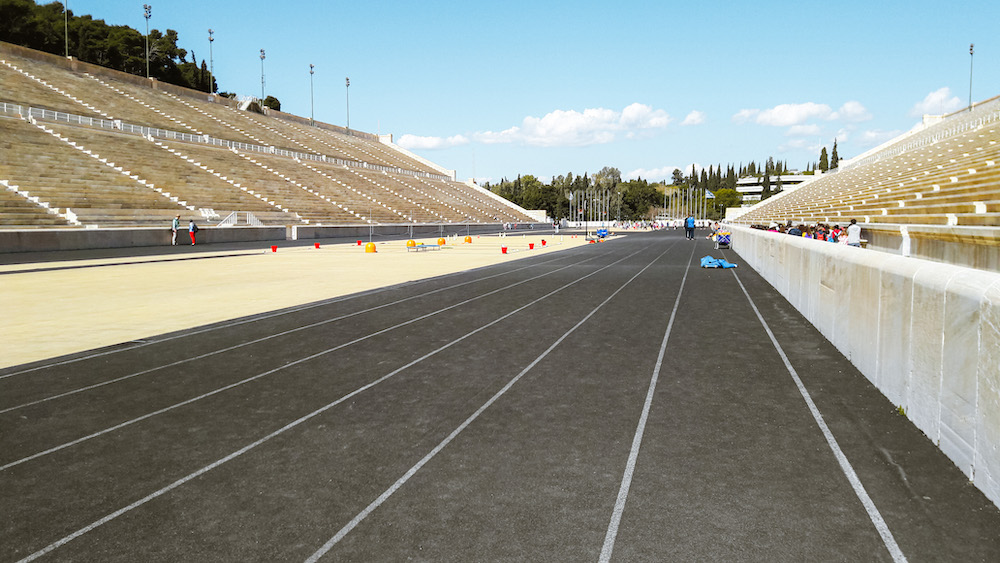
(751, 188)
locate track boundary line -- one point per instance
(616, 515)
(269, 315)
(279, 334)
(293, 424)
(845, 465)
(277, 369)
(346, 529)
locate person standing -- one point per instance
(689, 227)
(175, 226)
(854, 233)
(192, 229)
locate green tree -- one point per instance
(726, 197)
(272, 103)
(824, 163)
(834, 159)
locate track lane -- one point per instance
(593, 272)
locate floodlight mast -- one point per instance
(211, 64)
(312, 105)
(347, 91)
(147, 13)
(971, 56)
(262, 57)
(66, 23)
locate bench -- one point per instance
(423, 246)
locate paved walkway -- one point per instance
(610, 402)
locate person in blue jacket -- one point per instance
(689, 227)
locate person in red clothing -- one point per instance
(192, 229)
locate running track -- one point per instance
(613, 402)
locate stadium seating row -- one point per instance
(111, 157)
(947, 174)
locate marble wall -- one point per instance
(926, 334)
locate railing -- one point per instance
(118, 125)
(233, 219)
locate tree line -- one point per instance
(632, 200)
(43, 27)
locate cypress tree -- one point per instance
(833, 157)
(824, 163)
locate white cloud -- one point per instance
(791, 115)
(876, 137)
(652, 174)
(852, 112)
(784, 115)
(593, 126)
(411, 142)
(811, 130)
(745, 115)
(937, 102)
(694, 118)
(800, 145)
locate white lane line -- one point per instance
(276, 335)
(616, 515)
(275, 370)
(265, 316)
(845, 465)
(295, 423)
(416, 467)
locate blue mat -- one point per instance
(709, 262)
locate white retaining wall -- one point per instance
(926, 334)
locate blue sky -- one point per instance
(497, 89)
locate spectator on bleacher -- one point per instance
(794, 231)
(175, 226)
(192, 229)
(854, 233)
(835, 233)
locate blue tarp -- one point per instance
(709, 262)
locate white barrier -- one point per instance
(926, 334)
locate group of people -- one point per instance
(175, 226)
(850, 236)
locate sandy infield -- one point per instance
(62, 311)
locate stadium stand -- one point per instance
(86, 146)
(933, 192)
(945, 174)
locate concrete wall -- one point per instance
(350, 232)
(975, 247)
(43, 240)
(926, 334)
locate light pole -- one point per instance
(262, 57)
(66, 32)
(312, 105)
(211, 64)
(971, 47)
(347, 93)
(147, 13)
